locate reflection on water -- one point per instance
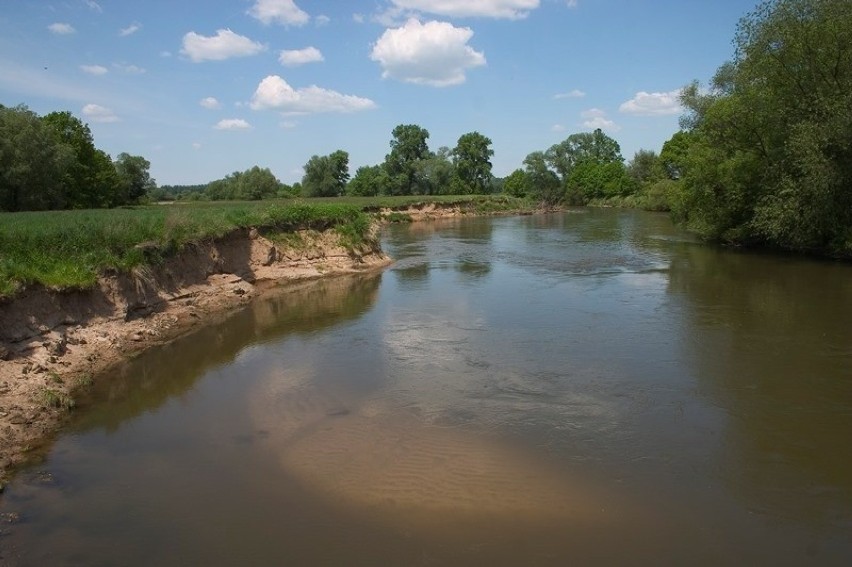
(588, 387)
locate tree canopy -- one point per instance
(769, 158)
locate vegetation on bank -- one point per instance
(69, 249)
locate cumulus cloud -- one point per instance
(284, 12)
(210, 103)
(273, 93)
(224, 45)
(232, 124)
(653, 104)
(576, 93)
(557, 128)
(129, 30)
(98, 113)
(596, 118)
(296, 57)
(434, 53)
(321, 20)
(509, 9)
(94, 6)
(61, 29)
(94, 69)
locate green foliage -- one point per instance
(646, 168)
(408, 147)
(369, 181)
(595, 180)
(326, 176)
(435, 174)
(542, 184)
(472, 160)
(134, 179)
(34, 163)
(517, 184)
(770, 155)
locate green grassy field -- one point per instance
(69, 249)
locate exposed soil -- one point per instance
(53, 343)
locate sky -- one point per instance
(205, 88)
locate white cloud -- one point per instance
(283, 12)
(224, 45)
(511, 9)
(232, 124)
(653, 104)
(358, 18)
(434, 53)
(287, 125)
(129, 30)
(196, 145)
(61, 29)
(573, 3)
(129, 69)
(165, 54)
(273, 92)
(98, 113)
(557, 128)
(596, 118)
(93, 5)
(94, 69)
(295, 57)
(576, 93)
(210, 103)
(321, 20)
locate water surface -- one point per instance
(587, 387)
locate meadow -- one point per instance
(70, 249)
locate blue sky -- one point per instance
(202, 89)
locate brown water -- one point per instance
(583, 388)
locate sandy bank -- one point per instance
(52, 343)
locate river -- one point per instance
(588, 387)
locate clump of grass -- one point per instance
(85, 381)
(397, 217)
(50, 398)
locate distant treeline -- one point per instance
(51, 162)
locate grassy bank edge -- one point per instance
(70, 249)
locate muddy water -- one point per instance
(590, 387)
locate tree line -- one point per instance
(51, 162)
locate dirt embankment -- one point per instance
(54, 343)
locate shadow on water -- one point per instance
(161, 374)
(772, 341)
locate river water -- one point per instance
(593, 387)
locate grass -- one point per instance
(70, 249)
(50, 398)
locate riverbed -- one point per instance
(593, 386)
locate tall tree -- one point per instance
(134, 177)
(542, 183)
(34, 163)
(771, 158)
(408, 146)
(472, 160)
(326, 176)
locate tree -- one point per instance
(90, 181)
(472, 160)
(369, 181)
(542, 183)
(34, 163)
(645, 167)
(436, 173)
(134, 179)
(326, 176)
(674, 154)
(577, 148)
(408, 146)
(256, 183)
(596, 180)
(517, 184)
(770, 157)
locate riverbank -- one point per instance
(56, 343)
